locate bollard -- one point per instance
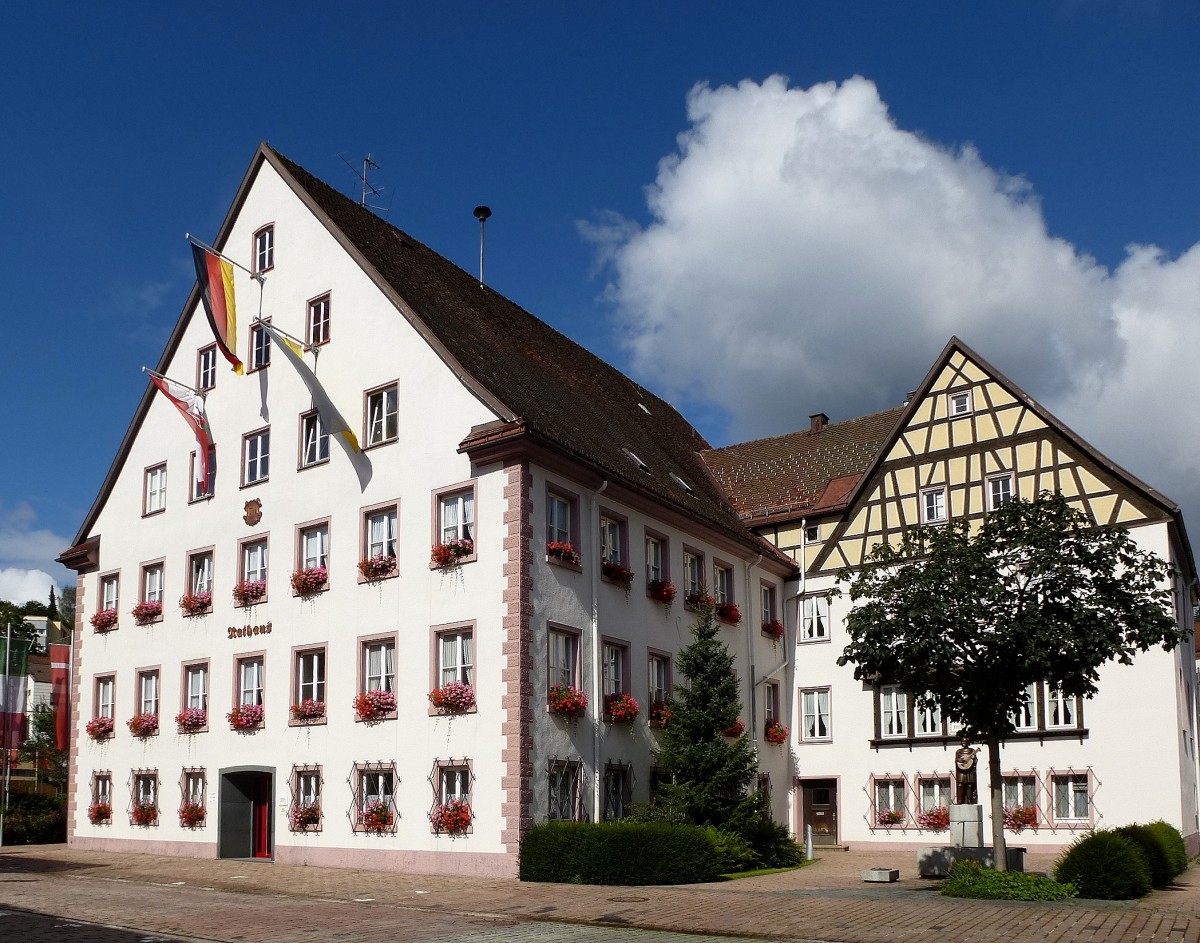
(808, 854)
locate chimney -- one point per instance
(817, 422)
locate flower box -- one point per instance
(660, 714)
(621, 707)
(453, 698)
(195, 604)
(191, 815)
(308, 709)
(567, 701)
(889, 817)
(736, 729)
(191, 719)
(372, 706)
(729, 612)
(248, 592)
(448, 555)
(245, 717)
(105, 620)
(935, 819)
(309, 580)
(698, 601)
(377, 567)
(773, 630)
(1020, 817)
(100, 813)
(661, 591)
(100, 728)
(776, 733)
(144, 814)
(616, 572)
(453, 818)
(562, 551)
(146, 612)
(143, 725)
(304, 817)
(376, 818)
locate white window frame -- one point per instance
(934, 791)
(152, 583)
(563, 661)
(110, 591)
(612, 539)
(1068, 788)
(722, 583)
(1066, 707)
(195, 691)
(156, 489)
(890, 795)
(383, 415)
(693, 572)
(1019, 791)
(456, 515)
(454, 784)
(256, 456)
(379, 665)
(106, 695)
(767, 600)
(206, 368)
(260, 348)
(310, 675)
(655, 558)
(314, 440)
(613, 673)
(927, 721)
(456, 653)
(933, 505)
(200, 572)
(318, 320)
(558, 518)
(959, 403)
(814, 619)
(816, 719)
(1000, 491)
(264, 249)
(148, 692)
(658, 672)
(562, 781)
(380, 532)
(618, 791)
(250, 680)
(1026, 717)
(893, 712)
(314, 546)
(255, 558)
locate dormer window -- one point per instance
(682, 484)
(959, 403)
(637, 461)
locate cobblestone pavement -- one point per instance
(255, 902)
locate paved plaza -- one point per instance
(51, 893)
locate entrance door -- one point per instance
(244, 829)
(820, 809)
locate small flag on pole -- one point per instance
(191, 406)
(215, 275)
(14, 662)
(60, 693)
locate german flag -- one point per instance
(216, 283)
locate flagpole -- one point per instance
(257, 276)
(163, 376)
(7, 758)
(307, 348)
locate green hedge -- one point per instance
(34, 819)
(1157, 857)
(1105, 866)
(1172, 840)
(970, 879)
(624, 853)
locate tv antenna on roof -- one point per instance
(368, 189)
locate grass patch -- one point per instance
(761, 871)
(968, 879)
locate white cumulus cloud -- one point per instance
(21, 586)
(804, 254)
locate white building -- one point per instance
(868, 763)
(476, 421)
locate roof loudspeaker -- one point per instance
(482, 213)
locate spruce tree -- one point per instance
(712, 772)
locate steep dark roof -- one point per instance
(801, 471)
(558, 390)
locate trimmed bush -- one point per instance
(970, 879)
(34, 819)
(1105, 866)
(1172, 841)
(623, 853)
(1155, 851)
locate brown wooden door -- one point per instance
(820, 810)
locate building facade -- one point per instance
(872, 767)
(274, 662)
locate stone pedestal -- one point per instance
(935, 861)
(966, 826)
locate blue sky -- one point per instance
(653, 188)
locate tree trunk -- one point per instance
(996, 788)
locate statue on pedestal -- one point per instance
(966, 790)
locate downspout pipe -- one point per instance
(753, 668)
(594, 695)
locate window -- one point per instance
(613, 667)
(455, 658)
(564, 657)
(618, 791)
(106, 692)
(314, 440)
(317, 326)
(1072, 801)
(1026, 716)
(1060, 708)
(264, 249)
(999, 491)
(814, 612)
(893, 711)
(254, 560)
(456, 513)
(256, 456)
(145, 788)
(889, 797)
(206, 368)
(656, 558)
(612, 540)
(382, 419)
(771, 703)
(249, 681)
(934, 792)
(933, 505)
(152, 583)
(454, 783)
(815, 720)
(200, 572)
(659, 687)
(766, 594)
(154, 498)
(110, 591)
(260, 347)
(195, 686)
(379, 664)
(959, 402)
(314, 546)
(693, 573)
(102, 796)
(310, 675)
(193, 784)
(306, 794)
(927, 721)
(379, 532)
(811, 533)
(563, 781)
(1019, 791)
(148, 691)
(202, 484)
(722, 584)
(558, 518)
(375, 792)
